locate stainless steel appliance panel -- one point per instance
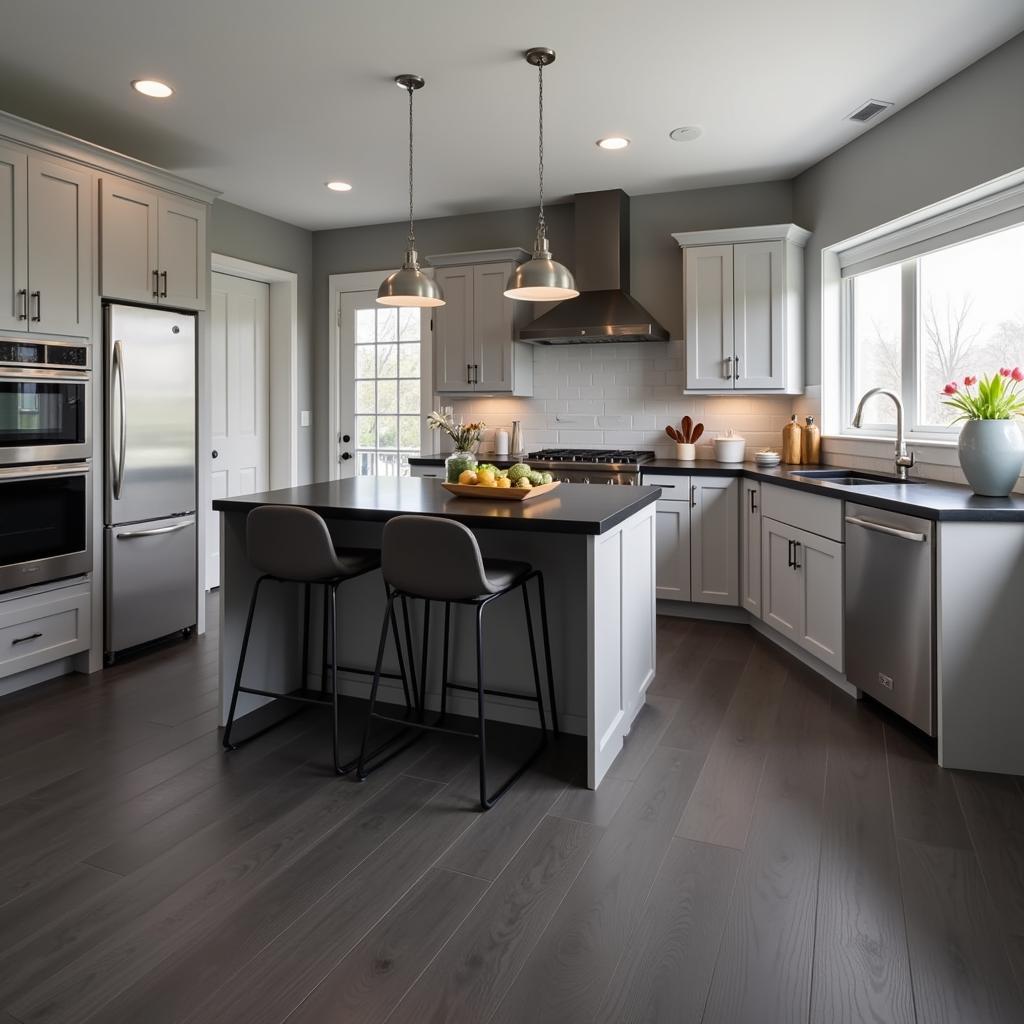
(890, 636)
(150, 394)
(151, 580)
(45, 523)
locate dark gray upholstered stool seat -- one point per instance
(293, 545)
(436, 559)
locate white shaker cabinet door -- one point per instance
(492, 328)
(781, 584)
(708, 271)
(750, 547)
(715, 540)
(59, 248)
(128, 241)
(758, 287)
(672, 545)
(13, 239)
(453, 331)
(182, 263)
(820, 567)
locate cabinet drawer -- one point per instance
(42, 628)
(811, 512)
(427, 471)
(673, 487)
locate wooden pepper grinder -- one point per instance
(811, 449)
(792, 442)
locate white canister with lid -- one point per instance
(730, 447)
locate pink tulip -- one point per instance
(1017, 374)
(968, 381)
(950, 389)
(1004, 372)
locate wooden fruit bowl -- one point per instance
(499, 493)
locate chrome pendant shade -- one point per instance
(541, 279)
(410, 286)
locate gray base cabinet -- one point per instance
(750, 546)
(697, 527)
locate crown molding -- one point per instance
(730, 236)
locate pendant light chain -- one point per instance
(540, 147)
(412, 230)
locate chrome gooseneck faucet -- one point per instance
(904, 460)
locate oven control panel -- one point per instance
(36, 353)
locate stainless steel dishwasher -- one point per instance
(890, 613)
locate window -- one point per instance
(914, 325)
(387, 389)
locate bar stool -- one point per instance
(293, 545)
(434, 559)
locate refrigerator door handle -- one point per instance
(117, 372)
(156, 532)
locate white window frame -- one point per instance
(980, 211)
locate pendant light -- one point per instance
(410, 286)
(541, 279)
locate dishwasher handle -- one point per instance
(892, 531)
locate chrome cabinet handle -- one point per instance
(155, 533)
(892, 531)
(156, 284)
(117, 373)
(22, 303)
(25, 639)
(39, 306)
(163, 291)
(728, 367)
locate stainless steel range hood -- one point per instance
(604, 310)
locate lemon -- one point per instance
(503, 481)
(485, 477)
(467, 476)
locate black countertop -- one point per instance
(929, 499)
(570, 508)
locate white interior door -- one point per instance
(239, 399)
(383, 385)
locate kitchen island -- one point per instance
(595, 546)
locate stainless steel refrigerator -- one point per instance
(150, 475)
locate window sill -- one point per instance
(915, 442)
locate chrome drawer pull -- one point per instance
(892, 531)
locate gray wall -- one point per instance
(247, 235)
(656, 262)
(964, 132)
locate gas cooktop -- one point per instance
(592, 456)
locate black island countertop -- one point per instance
(930, 499)
(570, 508)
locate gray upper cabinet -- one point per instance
(152, 246)
(13, 239)
(743, 292)
(59, 247)
(45, 244)
(475, 346)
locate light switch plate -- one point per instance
(305, 418)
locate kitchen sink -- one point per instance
(847, 477)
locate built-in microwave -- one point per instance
(45, 401)
(45, 523)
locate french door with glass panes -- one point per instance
(384, 385)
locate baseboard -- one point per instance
(728, 613)
(39, 674)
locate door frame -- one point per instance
(364, 281)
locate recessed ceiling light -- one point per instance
(685, 134)
(339, 186)
(151, 87)
(613, 142)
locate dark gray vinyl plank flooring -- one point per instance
(764, 849)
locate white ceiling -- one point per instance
(274, 98)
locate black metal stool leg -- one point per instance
(480, 708)
(409, 652)
(241, 663)
(361, 764)
(398, 649)
(332, 590)
(533, 655)
(547, 652)
(423, 661)
(444, 661)
(305, 635)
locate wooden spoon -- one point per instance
(697, 431)
(687, 426)
(672, 433)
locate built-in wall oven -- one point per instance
(45, 401)
(45, 522)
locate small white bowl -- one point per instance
(730, 449)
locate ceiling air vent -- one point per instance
(868, 110)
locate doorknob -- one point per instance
(214, 453)
(346, 438)
(346, 455)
